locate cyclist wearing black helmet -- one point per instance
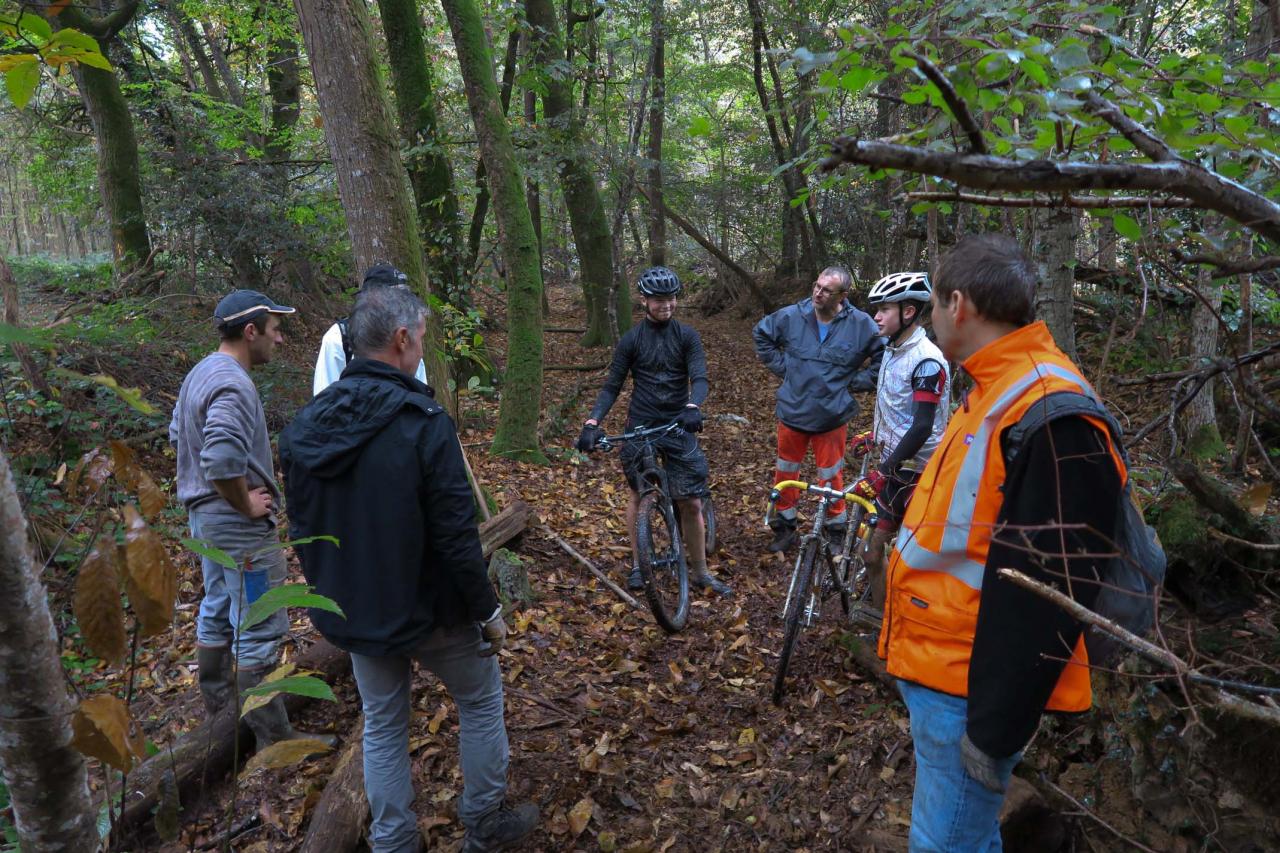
(668, 370)
(911, 411)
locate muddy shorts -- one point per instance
(891, 505)
(681, 456)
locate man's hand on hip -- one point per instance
(494, 633)
(260, 502)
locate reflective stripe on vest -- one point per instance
(952, 555)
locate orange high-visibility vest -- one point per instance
(936, 571)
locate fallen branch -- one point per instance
(954, 102)
(1085, 811)
(1088, 202)
(1257, 546)
(338, 819)
(715, 251)
(203, 755)
(1181, 669)
(601, 576)
(1219, 365)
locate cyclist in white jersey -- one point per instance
(912, 407)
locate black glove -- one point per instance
(980, 766)
(690, 419)
(588, 437)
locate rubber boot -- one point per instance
(703, 579)
(874, 556)
(784, 534)
(270, 723)
(214, 674)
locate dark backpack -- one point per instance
(344, 328)
(1130, 580)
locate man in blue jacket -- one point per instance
(374, 461)
(823, 349)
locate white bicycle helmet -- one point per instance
(901, 287)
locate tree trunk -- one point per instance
(481, 210)
(657, 114)
(45, 775)
(1201, 414)
(1055, 254)
(533, 194)
(582, 199)
(339, 818)
(429, 172)
(372, 182)
(118, 180)
(517, 432)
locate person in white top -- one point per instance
(912, 407)
(335, 348)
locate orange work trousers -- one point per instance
(828, 455)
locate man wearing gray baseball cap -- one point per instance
(226, 480)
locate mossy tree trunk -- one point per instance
(1201, 415)
(362, 143)
(119, 177)
(657, 117)
(1055, 254)
(517, 433)
(430, 174)
(587, 218)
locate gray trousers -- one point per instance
(254, 545)
(475, 683)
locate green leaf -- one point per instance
(1034, 70)
(34, 25)
(288, 595)
(1209, 102)
(131, 396)
(1127, 227)
(21, 81)
(855, 79)
(1070, 55)
(204, 549)
(915, 96)
(700, 126)
(300, 685)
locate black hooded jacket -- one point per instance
(374, 461)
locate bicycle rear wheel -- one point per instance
(662, 563)
(709, 520)
(850, 571)
(793, 618)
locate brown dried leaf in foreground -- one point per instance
(97, 606)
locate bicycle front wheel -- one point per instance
(662, 563)
(794, 616)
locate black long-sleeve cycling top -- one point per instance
(668, 371)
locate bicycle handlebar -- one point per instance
(834, 494)
(607, 442)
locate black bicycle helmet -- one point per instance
(658, 281)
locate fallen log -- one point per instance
(204, 755)
(504, 527)
(338, 819)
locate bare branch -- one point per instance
(959, 108)
(1231, 266)
(1142, 139)
(1218, 366)
(986, 172)
(1085, 202)
(1227, 537)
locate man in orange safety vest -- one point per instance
(978, 658)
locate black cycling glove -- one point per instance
(587, 439)
(690, 419)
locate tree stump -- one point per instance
(508, 573)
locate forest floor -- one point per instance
(627, 738)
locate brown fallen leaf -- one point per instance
(579, 815)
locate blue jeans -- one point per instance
(950, 812)
(229, 592)
(475, 683)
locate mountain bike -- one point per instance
(826, 566)
(659, 542)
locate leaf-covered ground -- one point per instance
(628, 738)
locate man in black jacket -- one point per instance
(374, 461)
